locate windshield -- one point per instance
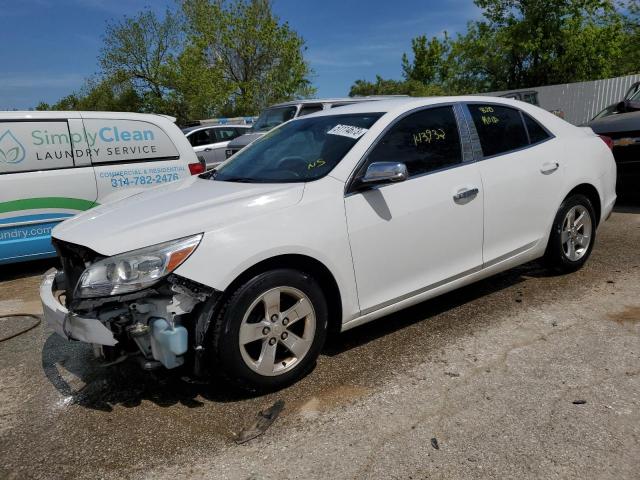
(272, 117)
(606, 112)
(299, 151)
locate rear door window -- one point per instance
(201, 137)
(31, 146)
(113, 141)
(500, 128)
(225, 134)
(425, 141)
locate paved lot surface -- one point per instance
(524, 375)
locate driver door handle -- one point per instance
(208, 149)
(466, 193)
(549, 167)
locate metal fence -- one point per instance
(580, 101)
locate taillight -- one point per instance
(607, 140)
(196, 168)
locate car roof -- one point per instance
(201, 127)
(307, 101)
(58, 114)
(407, 103)
(398, 106)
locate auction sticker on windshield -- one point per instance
(347, 131)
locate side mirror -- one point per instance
(384, 172)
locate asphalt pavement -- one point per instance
(523, 375)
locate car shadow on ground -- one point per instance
(83, 380)
(86, 381)
(15, 271)
(394, 322)
(627, 206)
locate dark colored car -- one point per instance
(621, 122)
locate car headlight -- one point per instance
(135, 270)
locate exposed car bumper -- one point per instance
(66, 324)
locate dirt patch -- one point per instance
(329, 399)
(627, 317)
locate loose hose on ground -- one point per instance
(24, 330)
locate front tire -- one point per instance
(572, 236)
(270, 331)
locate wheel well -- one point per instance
(592, 194)
(308, 265)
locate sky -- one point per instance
(49, 47)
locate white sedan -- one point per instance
(327, 222)
(210, 141)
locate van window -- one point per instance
(28, 146)
(126, 140)
(336, 105)
(272, 117)
(309, 109)
(500, 128)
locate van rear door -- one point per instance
(130, 156)
(44, 178)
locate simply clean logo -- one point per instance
(11, 150)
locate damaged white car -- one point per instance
(325, 223)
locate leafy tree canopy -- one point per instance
(521, 44)
(206, 58)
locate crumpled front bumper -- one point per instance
(65, 323)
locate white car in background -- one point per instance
(210, 141)
(325, 223)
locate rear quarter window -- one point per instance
(500, 128)
(537, 134)
(113, 141)
(29, 146)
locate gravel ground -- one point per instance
(523, 375)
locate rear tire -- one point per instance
(270, 330)
(572, 236)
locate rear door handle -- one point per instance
(549, 167)
(208, 149)
(466, 193)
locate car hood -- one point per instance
(174, 211)
(244, 140)
(618, 123)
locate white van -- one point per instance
(54, 165)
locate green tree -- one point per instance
(527, 43)
(431, 61)
(208, 58)
(414, 88)
(260, 59)
(106, 94)
(141, 49)
(548, 41)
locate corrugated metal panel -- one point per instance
(580, 101)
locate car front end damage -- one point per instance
(163, 324)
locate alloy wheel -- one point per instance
(576, 233)
(277, 331)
